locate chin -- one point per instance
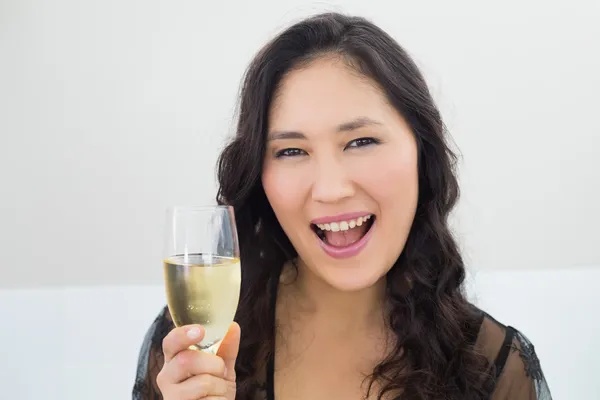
(350, 279)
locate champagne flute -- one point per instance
(202, 270)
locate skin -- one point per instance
(350, 151)
(335, 145)
(337, 167)
(189, 374)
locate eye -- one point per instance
(292, 152)
(361, 142)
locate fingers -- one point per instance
(228, 349)
(180, 339)
(191, 374)
(192, 362)
(198, 387)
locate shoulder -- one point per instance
(516, 368)
(150, 359)
(160, 327)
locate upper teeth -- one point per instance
(344, 225)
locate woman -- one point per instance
(342, 183)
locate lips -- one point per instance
(346, 235)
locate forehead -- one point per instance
(323, 94)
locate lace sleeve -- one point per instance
(521, 377)
(150, 359)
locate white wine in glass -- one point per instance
(202, 270)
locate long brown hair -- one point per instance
(434, 356)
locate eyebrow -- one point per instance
(349, 126)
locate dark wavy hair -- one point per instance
(433, 355)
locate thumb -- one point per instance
(228, 349)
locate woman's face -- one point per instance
(340, 173)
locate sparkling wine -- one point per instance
(203, 289)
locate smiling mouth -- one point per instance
(342, 234)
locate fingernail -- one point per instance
(193, 333)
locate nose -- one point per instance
(331, 182)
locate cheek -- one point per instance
(391, 179)
(284, 189)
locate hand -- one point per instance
(191, 374)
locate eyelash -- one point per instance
(286, 153)
(366, 141)
(360, 142)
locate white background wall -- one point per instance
(111, 110)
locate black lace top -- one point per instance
(518, 372)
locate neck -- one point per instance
(330, 307)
